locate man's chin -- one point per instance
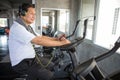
(30, 22)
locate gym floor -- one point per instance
(3, 46)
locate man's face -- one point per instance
(30, 15)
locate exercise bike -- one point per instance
(89, 70)
(65, 57)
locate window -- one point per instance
(87, 10)
(56, 19)
(108, 23)
(3, 25)
(3, 22)
(116, 16)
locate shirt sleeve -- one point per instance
(20, 33)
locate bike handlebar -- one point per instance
(110, 52)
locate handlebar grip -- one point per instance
(61, 36)
(118, 41)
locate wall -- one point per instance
(87, 10)
(74, 9)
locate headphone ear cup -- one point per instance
(23, 13)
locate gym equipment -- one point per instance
(89, 70)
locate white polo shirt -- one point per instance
(20, 46)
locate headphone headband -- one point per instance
(24, 8)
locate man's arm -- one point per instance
(49, 41)
(51, 38)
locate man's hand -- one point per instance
(62, 37)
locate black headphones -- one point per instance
(24, 8)
(22, 12)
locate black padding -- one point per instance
(6, 72)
